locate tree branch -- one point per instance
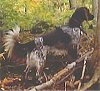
(60, 75)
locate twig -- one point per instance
(86, 54)
(82, 72)
(65, 85)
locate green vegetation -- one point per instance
(26, 13)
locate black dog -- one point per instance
(66, 35)
(20, 50)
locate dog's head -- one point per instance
(84, 13)
(79, 16)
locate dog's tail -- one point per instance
(10, 40)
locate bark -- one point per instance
(72, 4)
(95, 10)
(96, 56)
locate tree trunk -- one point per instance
(95, 9)
(96, 56)
(72, 4)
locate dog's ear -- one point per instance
(81, 10)
(84, 13)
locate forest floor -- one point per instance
(12, 75)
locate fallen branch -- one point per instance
(83, 73)
(60, 75)
(71, 72)
(56, 78)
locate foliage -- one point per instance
(26, 13)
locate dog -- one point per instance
(36, 59)
(68, 35)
